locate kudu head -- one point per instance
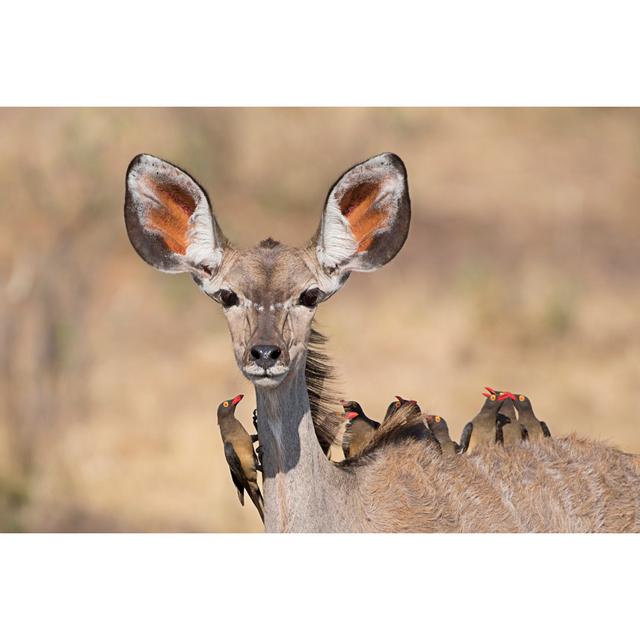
(269, 292)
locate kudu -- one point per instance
(269, 294)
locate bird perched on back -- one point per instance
(359, 431)
(440, 431)
(536, 429)
(486, 427)
(403, 421)
(512, 431)
(238, 450)
(412, 408)
(353, 442)
(405, 417)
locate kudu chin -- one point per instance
(269, 294)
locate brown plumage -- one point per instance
(411, 405)
(536, 429)
(238, 450)
(401, 415)
(440, 430)
(406, 415)
(403, 423)
(359, 431)
(512, 432)
(486, 426)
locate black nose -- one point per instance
(265, 355)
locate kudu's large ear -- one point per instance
(366, 217)
(169, 218)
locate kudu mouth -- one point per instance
(262, 377)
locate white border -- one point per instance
(329, 53)
(404, 52)
(297, 586)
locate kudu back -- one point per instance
(269, 294)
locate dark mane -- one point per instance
(323, 399)
(403, 425)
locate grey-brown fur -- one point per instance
(401, 483)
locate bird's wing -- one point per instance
(236, 469)
(465, 437)
(346, 442)
(545, 429)
(499, 433)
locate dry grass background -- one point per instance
(521, 271)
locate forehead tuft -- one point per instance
(269, 243)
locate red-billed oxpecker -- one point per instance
(401, 402)
(411, 419)
(238, 450)
(440, 431)
(359, 431)
(536, 429)
(356, 435)
(486, 427)
(513, 431)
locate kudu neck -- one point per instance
(299, 480)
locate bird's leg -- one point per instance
(255, 438)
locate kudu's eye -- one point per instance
(228, 298)
(310, 297)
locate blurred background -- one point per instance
(521, 271)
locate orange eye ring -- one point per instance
(225, 404)
(397, 403)
(438, 418)
(493, 396)
(521, 398)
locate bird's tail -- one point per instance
(256, 498)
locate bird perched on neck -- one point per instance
(512, 431)
(486, 426)
(440, 430)
(536, 429)
(359, 431)
(239, 453)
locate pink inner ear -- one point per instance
(356, 205)
(171, 219)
